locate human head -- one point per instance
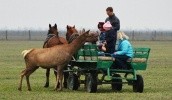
(121, 36)
(100, 26)
(109, 11)
(107, 26)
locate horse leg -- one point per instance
(55, 73)
(47, 77)
(60, 79)
(21, 80)
(57, 80)
(28, 83)
(28, 73)
(66, 75)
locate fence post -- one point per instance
(155, 36)
(162, 36)
(133, 35)
(29, 35)
(6, 35)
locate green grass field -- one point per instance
(157, 77)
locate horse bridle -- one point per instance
(73, 37)
(50, 35)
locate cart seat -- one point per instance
(105, 58)
(140, 60)
(95, 58)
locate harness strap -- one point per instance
(49, 36)
(72, 37)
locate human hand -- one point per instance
(103, 48)
(115, 53)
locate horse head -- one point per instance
(70, 31)
(92, 37)
(53, 29)
(89, 36)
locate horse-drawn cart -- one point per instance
(97, 70)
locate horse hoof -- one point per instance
(29, 89)
(19, 89)
(55, 89)
(46, 85)
(59, 89)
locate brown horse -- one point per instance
(57, 41)
(55, 57)
(53, 39)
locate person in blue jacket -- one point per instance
(124, 51)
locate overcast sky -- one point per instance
(37, 14)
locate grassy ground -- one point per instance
(157, 77)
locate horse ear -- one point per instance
(67, 26)
(49, 25)
(74, 26)
(83, 30)
(55, 25)
(87, 31)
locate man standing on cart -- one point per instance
(115, 22)
(111, 36)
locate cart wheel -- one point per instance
(91, 83)
(72, 82)
(117, 86)
(138, 84)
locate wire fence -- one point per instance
(41, 35)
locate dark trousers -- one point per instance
(110, 48)
(120, 62)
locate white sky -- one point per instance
(37, 14)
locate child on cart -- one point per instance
(110, 37)
(107, 37)
(101, 36)
(102, 32)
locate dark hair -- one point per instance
(100, 24)
(109, 9)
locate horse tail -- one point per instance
(25, 52)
